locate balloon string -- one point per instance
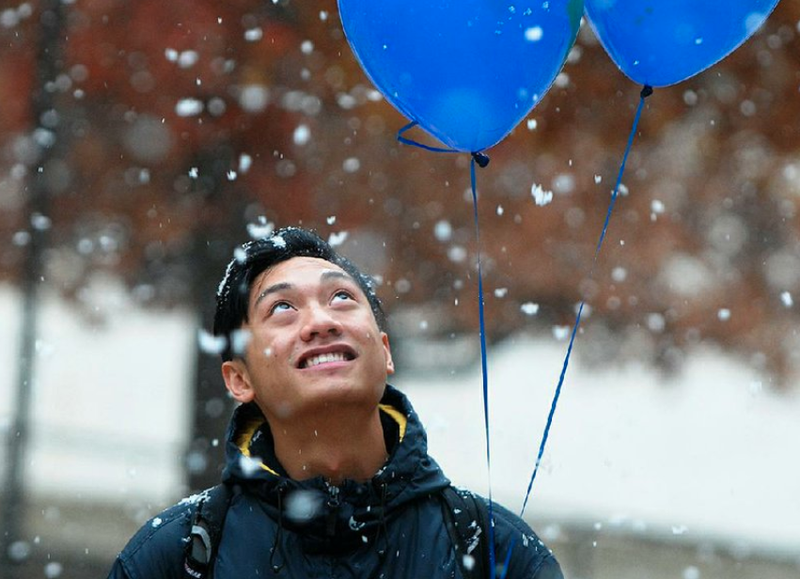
(406, 141)
(482, 160)
(646, 92)
(484, 370)
(507, 561)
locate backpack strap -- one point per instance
(466, 517)
(206, 532)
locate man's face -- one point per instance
(314, 342)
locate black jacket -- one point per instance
(279, 528)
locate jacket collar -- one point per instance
(253, 437)
(354, 509)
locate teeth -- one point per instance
(324, 358)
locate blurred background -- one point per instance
(140, 142)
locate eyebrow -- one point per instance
(326, 275)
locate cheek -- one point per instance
(275, 354)
(260, 355)
(264, 348)
(273, 357)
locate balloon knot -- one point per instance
(482, 159)
(647, 90)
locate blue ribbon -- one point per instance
(507, 562)
(646, 92)
(417, 144)
(482, 160)
(484, 366)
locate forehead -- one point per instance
(297, 271)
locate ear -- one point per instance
(237, 380)
(388, 353)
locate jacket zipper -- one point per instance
(333, 510)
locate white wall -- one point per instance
(709, 454)
(110, 412)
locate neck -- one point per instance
(334, 446)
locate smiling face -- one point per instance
(313, 342)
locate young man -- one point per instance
(327, 465)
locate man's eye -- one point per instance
(279, 307)
(342, 295)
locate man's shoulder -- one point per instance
(157, 548)
(503, 517)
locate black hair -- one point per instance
(254, 257)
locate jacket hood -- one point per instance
(335, 516)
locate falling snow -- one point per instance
(189, 107)
(529, 308)
(53, 569)
(239, 340)
(351, 165)
(541, 196)
(302, 505)
(336, 239)
(261, 228)
(656, 209)
(457, 254)
(656, 322)
(249, 465)
(245, 162)
(534, 34)
(254, 98)
(211, 344)
(301, 135)
(40, 222)
(443, 231)
(561, 333)
(253, 34)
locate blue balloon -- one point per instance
(662, 42)
(468, 71)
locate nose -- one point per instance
(319, 322)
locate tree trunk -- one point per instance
(48, 66)
(211, 251)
